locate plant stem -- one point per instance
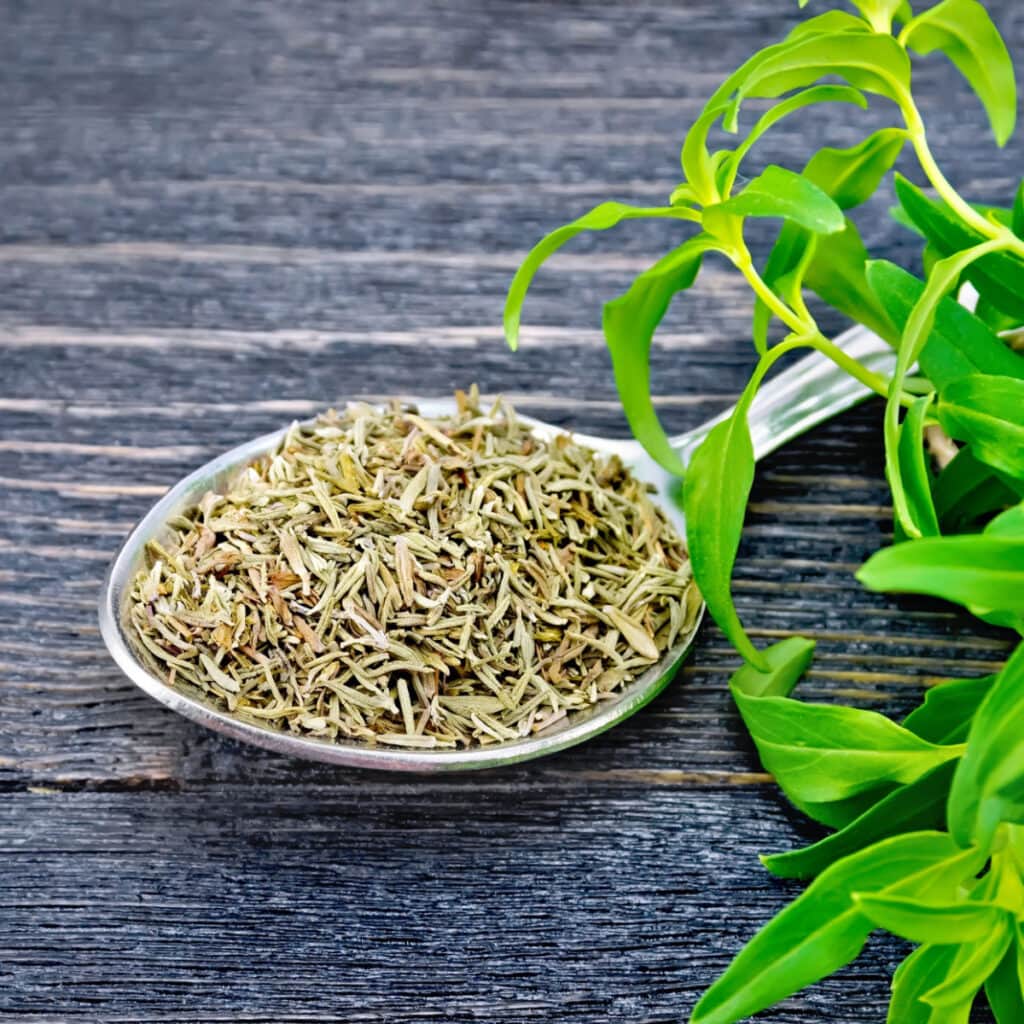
(967, 213)
(745, 265)
(875, 381)
(807, 334)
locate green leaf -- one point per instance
(823, 752)
(972, 967)
(836, 269)
(852, 176)
(715, 492)
(1008, 524)
(998, 276)
(967, 490)
(914, 472)
(973, 570)
(837, 275)
(868, 61)
(988, 412)
(939, 923)
(822, 929)
(918, 805)
(964, 32)
(694, 157)
(840, 813)
(945, 716)
(915, 335)
(987, 786)
(683, 194)
(881, 12)
(787, 253)
(602, 217)
(835, 272)
(791, 104)
(994, 318)
(959, 343)
(1005, 990)
(787, 661)
(921, 971)
(901, 217)
(1017, 219)
(777, 192)
(828, 23)
(629, 324)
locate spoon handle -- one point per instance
(803, 395)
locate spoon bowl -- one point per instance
(795, 400)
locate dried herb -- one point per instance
(414, 582)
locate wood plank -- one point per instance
(394, 901)
(220, 217)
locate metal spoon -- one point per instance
(797, 399)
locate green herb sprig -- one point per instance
(928, 813)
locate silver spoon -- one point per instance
(797, 399)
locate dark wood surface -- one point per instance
(218, 216)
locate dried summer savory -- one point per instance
(421, 583)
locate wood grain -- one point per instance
(219, 217)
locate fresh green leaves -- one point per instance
(919, 324)
(948, 708)
(836, 274)
(780, 193)
(817, 94)
(917, 921)
(827, 24)
(820, 753)
(958, 759)
(879, 13)
(786, 662)
(989, 784)
(987, 411)
(965, 943)
(925, 968)
(1009, 523)
(999, 276)
(867, 61)
(963, 31)
(833, 265)
(601, 218)
(1005, 988)
(715, 491)
(974, 963)
(823, 929)
(852, 176)
(959, 344)
(629, 324)
(973, 570)
(915, 476)
(967, 491)
(918, 805)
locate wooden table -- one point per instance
(218, 216)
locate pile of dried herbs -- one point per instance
(422, 583)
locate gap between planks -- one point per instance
(661, 777)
